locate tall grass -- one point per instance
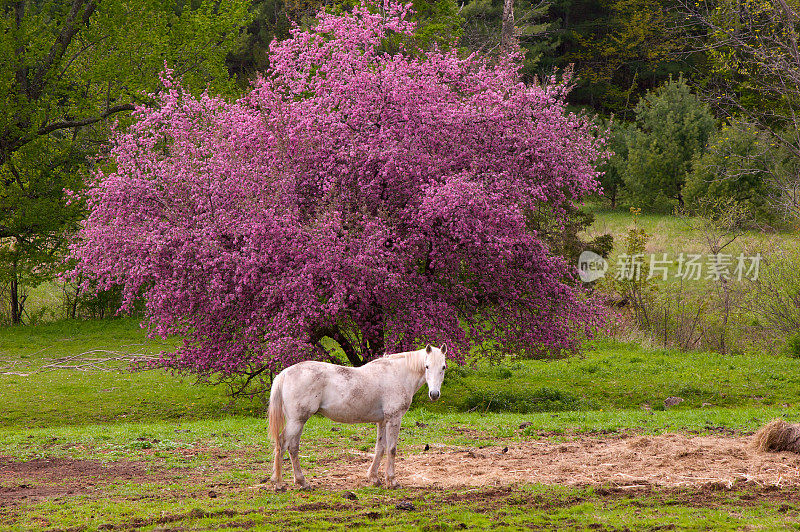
(742, 316)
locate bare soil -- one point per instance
(669, 461)
(53, 477)
(710, 463)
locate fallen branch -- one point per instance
(84, 361)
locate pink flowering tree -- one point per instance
(372, 199)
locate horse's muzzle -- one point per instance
(433, 395)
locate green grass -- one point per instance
(612, 375)
(144, 441)
(206, 461)
(608, 377)
(532, 506)
(35, 396)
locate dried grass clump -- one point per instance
(778, 435)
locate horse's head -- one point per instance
(435, 364)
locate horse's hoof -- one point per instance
(393, 485)
(374, 482)
(304, 484)
(280, 487)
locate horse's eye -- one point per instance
(426, 367)
(444, 367)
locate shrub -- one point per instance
(792, 347)
(520, 401)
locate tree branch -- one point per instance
(68, 31)
(6, 232)
(66, 124)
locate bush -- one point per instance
(613, 169)
(792, 347)
(776, 298)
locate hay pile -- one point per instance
(778, 435)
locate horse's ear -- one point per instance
(428, 348)
(444, 349)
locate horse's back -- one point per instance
(341, 393)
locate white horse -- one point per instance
(378, 392)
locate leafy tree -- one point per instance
(754, 48)
(483, 29)
(67, 67)
(621, 49)
(673, 125)
(613, 169)
(271, 19)
(371, 198)
(562, 234)
(437, 22)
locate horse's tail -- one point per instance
(276, 416)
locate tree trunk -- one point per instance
(16, 310)
(507, 38)
(374, 345)
(347, 347)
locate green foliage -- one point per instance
(565, 238)
(613, 169)
(776, 295)
(631, 280)
(68, 68)
(35, 220)
(792, 347)
(439, 23)
(533, 25)
(271, 19)
(738, 165)
(543, 399)
(673, 126)
(620, 49)
(752, 59)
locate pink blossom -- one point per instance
(378, 197)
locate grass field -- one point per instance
(120, 449)
(673, 234)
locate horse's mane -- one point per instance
(415, 360)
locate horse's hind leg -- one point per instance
(380, 445)
(291, 442)
(277, 475)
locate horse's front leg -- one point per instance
(380, 445)
(392, 432)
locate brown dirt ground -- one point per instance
(621, 463)
(669, 461)
(53, 477)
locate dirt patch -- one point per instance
(713, 463)
(51, 477)
(669, 460)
